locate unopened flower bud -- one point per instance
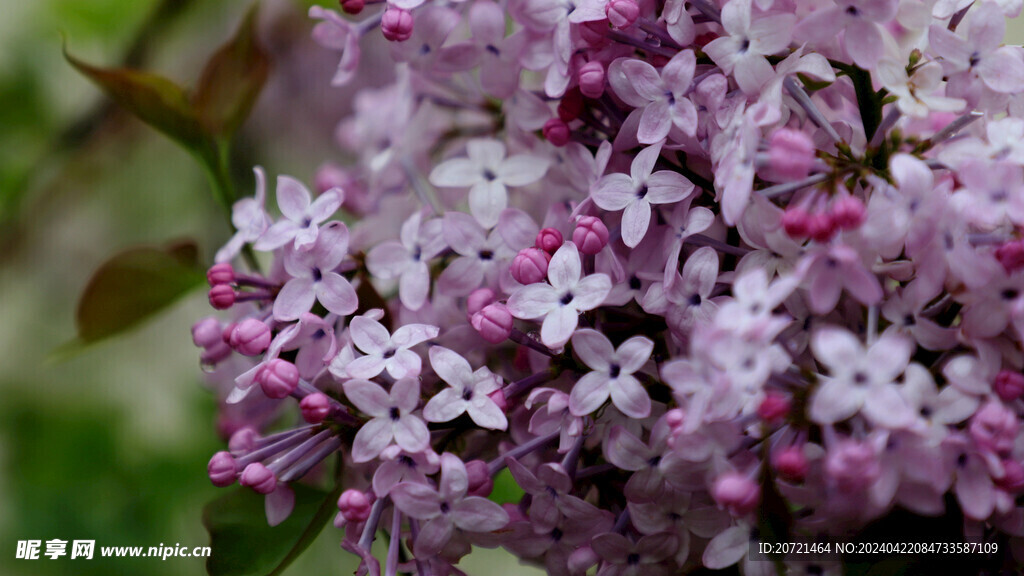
(594, 32)
(477, 299)
(797, 223)
(994, 428)
(591, 77)
(853, 465)
(222, 469)
(1009, 385)
(1013, 477)
(549, 240)
(352, 7)
(354, 505)
(590, 235)
(571, 105)
(791, 464)
(790, 154)
(329, 176)
(222, 297)
(207, 333)
(498, 397)
(515, 513)
(259, 478)
(557, 132)
(821, 227)
(396, 24)
(250, 337)
(1011, 255)
(622, 13)
(530, 265)
(243, 439)
(315, 407)
(848, 213)
(278, 378)
(736, 493)
(581, 560)
(221, 273)
(773, 408)
(480, 483)
(493, 322)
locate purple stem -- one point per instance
(526, 384)
(496, 465)
(314, 458)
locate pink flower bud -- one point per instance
(352, 7)
(557, 132)
(591, 76)
(221, 273)
(396, 24)
(622, 13)
(594, 32)
(821, 227)
(797, 223)
(222, 469)
(1011, 255)
(848, 213)
(480, 483)
(1009, 385)
(590, 235)
(498, 397)
(477, 299)
(773, 408)
(493, 322)
(259, 478)
(515, 514)
(790, 154)
(243, 439)
(1013, 477)
(736, 493)
(278, 378)
(315, 407)
(994, 428)
(207, 333)
(853, 465)
(354, 505)
(582, 559)
(250, 337)
(571, 105)
(214, 355)
(549, 240)
(530, 265)
(791, 464)
(222, 297)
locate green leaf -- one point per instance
(231, 80)
(153, 99)
(244, 545)
(134, 285)
(506, 491)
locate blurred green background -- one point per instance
(111, 444)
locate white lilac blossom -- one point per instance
(703, 262)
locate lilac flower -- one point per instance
(832, 268)
(483, 258)
(915, 93)
(384, 351)
(391, 418)
(661, 97)
(249, 218)
(467, 392)
(860, 23)
(980, 55)
(336, 33)
(749, 40)
(611, 374)
(635, 193)
(302, 215)
(447, 508)
(561, 301)
(622, 557)
(314, 278)
(488, 172)
(407, 259)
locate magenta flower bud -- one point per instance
(549, 240)
(853, 466)
(1011, 255)
(396, 24)
(278, 378)
(590, 235)
(259, 478)
(480, 483)
(243, 439)
(594, 32)
(790, 154)
(848, 213)
(591, 76)
(797, 223)
(250, 337)
(315, 407)
(222, 297)
(498, 396)
(221, 273)
(214, 355)
(477, 299)
(557, 132)
(352, 7)
(354, 505)
(736, 493)
(821, 227)
(1013, 477)
(994, 428)
(1009, 385)
(222, 469)
(207, 333)
(493, 322)
(773, 408)
(675, 419)
(530, 265)
(571, 105)
(622, 13)
(515, 514)
(791, 464)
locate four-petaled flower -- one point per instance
(467, 392)
(611, 374)
(392, 418)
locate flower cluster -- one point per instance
(660, 260)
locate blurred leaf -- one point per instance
(232, 80)
(244, 545)
(153, 99)
(506, 491)
(134, 285)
